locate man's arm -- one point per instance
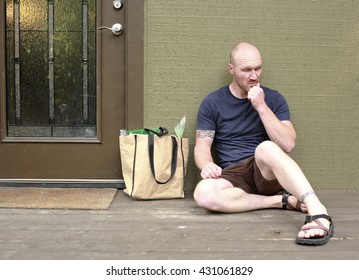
(280, 132)
(203, 156)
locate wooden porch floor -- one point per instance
(174, 229)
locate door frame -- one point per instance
(135, 64)
(134, 88)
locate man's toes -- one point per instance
(301, 234)
(311, 233)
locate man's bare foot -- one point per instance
(317, 230)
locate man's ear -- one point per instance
(230, 68)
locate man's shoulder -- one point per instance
(268, 90)
(214, 99)
(218, 94)
(272, 94)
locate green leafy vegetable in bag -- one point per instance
(180, 127)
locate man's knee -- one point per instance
(268, 155)
(267, 152)
(202, 194)
(206, 196)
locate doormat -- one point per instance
(56, 198)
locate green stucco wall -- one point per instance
(310, 53)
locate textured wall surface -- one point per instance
(310, 54)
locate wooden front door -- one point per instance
(68, 86)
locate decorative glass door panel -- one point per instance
(51, 68)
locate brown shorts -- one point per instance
(247, 176)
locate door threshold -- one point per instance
(64, 183)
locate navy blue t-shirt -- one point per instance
(237, 125)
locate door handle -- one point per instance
(117, 29)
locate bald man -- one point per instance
(250, 126)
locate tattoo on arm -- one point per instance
(205, 133)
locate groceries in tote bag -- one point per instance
(154, 166)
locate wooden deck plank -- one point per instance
(174, 229)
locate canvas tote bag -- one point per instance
(154, 167)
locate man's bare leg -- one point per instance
(274, 163)
(220, 195)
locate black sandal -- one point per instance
(320, 240)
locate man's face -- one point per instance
(246, 69)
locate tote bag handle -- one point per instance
(162, 131)
(173, 161)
